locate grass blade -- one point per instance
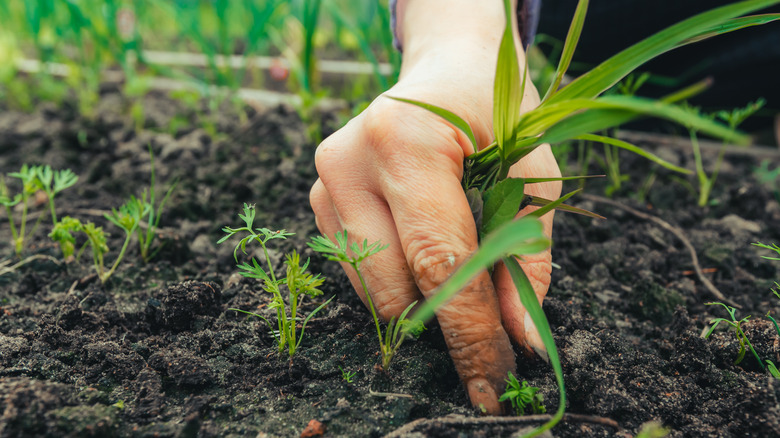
(635, 149)
(534, 309)
(732, 25)
(507, 94)
(572, 38)
(611, 71)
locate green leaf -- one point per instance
(501, 204)
(544, 203)
(311, 315)
(507, 94)
(611, 71)
(635, 149)
(447, 115)
(524, 236)
(732, 25)
(772, 369)
(572, 38)
(534, 309)
(540, 120)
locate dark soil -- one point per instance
(155, 352)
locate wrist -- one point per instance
(452, 29)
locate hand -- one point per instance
(393, 174)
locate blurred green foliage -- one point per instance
(91, 37)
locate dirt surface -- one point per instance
(155, 352)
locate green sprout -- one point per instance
(775, 290)
(298, 281)
(733, 118)
(34, 179)
(126, 218)
(772, 369)
(53, 182)
(394, 336)
(152, 212)
(347, 375)
(744, 342)
(523, 397)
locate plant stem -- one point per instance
(104, 277)
(752, 350)
(355, 265)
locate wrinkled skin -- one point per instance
(393, 174)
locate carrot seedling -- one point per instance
(126, 218)
(394, 336)
(298, 282)
(53, 182)
(522, 397)
(34, 179)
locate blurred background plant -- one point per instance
(211, 53)
(52, 50)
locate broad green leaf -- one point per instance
(635, 149)
(446, 115)
(534, 309)
(524, 236)
(507, 94)
(572, 38)
(501, 204)
(611, 71)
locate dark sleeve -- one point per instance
(527, 20)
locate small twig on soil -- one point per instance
(388, 394)
(677, 232)
(5, 270)
(459, 420)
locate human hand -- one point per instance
(393, 174)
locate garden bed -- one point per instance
(155, 352)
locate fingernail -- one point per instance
(483, 396)
(533, 339)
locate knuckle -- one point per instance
(481, 351)
(390, 305)
(433, 262)
(538, 268)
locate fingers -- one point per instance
(437, 234)
(365, 216)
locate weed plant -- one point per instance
(347, 375)
(397, 330)
(573, 112)
(733, 118)
(733, 322)
(298, 282)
